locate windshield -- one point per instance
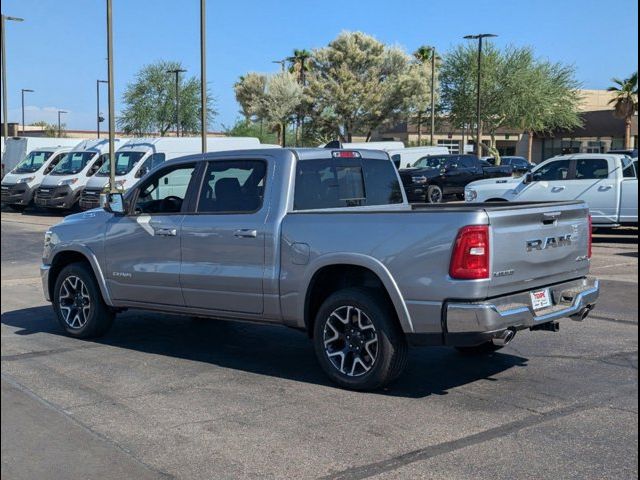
(73, 162)
(125, 161)
(32, 163)
(430, 162)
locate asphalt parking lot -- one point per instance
(170, 397)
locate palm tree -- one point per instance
(423, 56)
(625, 102)
(300, 65)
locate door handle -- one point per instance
(558, 189)
(604, 188)
(165, 232)
(245, 233)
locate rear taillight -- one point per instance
(590, 241)
(470, 258)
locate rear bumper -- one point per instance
(469, 323)
(18, 194)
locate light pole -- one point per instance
(479, 37)
(22, 91)
(99, 119)
(282, 63)
(177, 72)
(203, 75)
(5, 109)
(60, 112)
(433, 93)
(112, 117)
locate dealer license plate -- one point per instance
(541, 299)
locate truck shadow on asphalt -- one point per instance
(265, 350)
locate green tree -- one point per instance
(625, 102)
(517, 91)
(50, 129)
(249, 128)
(150, 102)
(354, 84)
(300, 65)
(248, 89)
(281, 99)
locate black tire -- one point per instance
(97, 317)
(434, 194)
(391, 347)
(485, 348)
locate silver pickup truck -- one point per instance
(323, 241)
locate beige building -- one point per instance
(601, 132)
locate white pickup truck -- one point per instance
(608, 183)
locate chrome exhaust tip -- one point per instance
(503, 338)
(582, 314)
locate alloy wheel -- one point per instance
(74, 302)
(350, 341)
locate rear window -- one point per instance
(330, 183)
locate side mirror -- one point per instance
(528, 178)
(113, 203)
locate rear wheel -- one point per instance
(434, 194)
(78, 303)
(482, 349)
(357, 340)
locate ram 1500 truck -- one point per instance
(434, 176)
(323, 241)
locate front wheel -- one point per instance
(357, 340)
(78, 303)
(434, 194)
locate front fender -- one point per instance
(61, 249)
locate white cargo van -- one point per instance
(20, 184)
(406, 157)
(61, 188)
(17, 148)
(141, 155)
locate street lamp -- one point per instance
(177, 72)
(282, 63)
(98, 117)
(203, 76)
(22, 91)
(5, 109)
(479, 37)
(60, 112)
(433, 93)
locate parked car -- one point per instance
(520, 164)
(62, 187)
(607, 183)
(138, 156)
(433, 177)
(630, 152)
(19, 185)
(15, 149)
(409, 156)
(323, 241)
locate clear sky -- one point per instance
(60, 49)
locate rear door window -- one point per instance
(591, 169)
(234, 186)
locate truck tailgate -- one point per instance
(537, 245)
